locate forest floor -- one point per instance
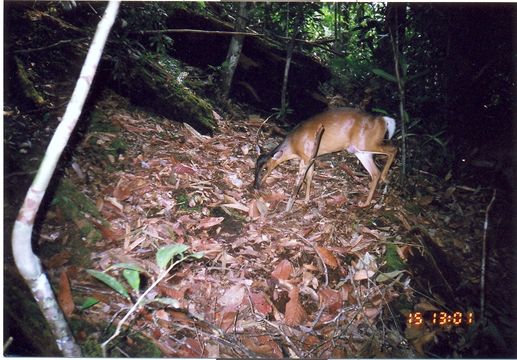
(328, 279)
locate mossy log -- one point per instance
(149, 84)
(26, 84)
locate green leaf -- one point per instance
(383, 277)
(380, 111)
(404, 66)
(132, 277)
(393, 261)
(88, 303)
(164, 255)
(110, 281)
(127, 266)
(383, 74)
(166, 301)
(198, 255)
(416, 76)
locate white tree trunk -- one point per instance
(27, 262)
(234, 50)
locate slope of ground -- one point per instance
(328, 279)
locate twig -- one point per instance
(263, 123)
(51, 46)
(228, 340)
(293, 346)
(483, 257)
(8, 343)
(320, 257)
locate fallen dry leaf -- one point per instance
(208, 222)
(330, 299)
(327, 257)
(425, 200)
(191, 348)
(425, 306)
(253, 210)
(162, 315)
(422, 341)
(64, 297)
(237, 206)
(295, 314)
(183, 169)
(337, 200)
(226, 319)
(283, 270)
(263, 345)
(58, 260)
(260, 303)
(261, 207)
(363, 274)
(233, 296)
(371, 313)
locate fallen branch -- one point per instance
(51, 46)
(195, 31)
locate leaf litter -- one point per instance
(271, 284)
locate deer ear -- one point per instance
(278, 154)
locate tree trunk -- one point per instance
(27, 262)
(395, 19)
(234, 51)
(289, 55)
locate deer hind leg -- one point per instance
(367, 160)
(390, 151)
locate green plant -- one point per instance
(166, 258)
(281, 113)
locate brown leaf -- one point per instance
(253, 210)
(123, 190)
(191, 349)
(64, 297)
(422, 341)
(58, 260)
(274, 197)
(425, 200)
(327, 257)
(233, 296)
(404, 251)
(162, 315)
(226, 319)
(283, 270)
(178, 294)
(263, 345)
(363, 274)
(294, 312)
(337, 200)
(208, 222)
(260, 303)
(425, 306)
(331, 299)
(183, 169)
(371, 312)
